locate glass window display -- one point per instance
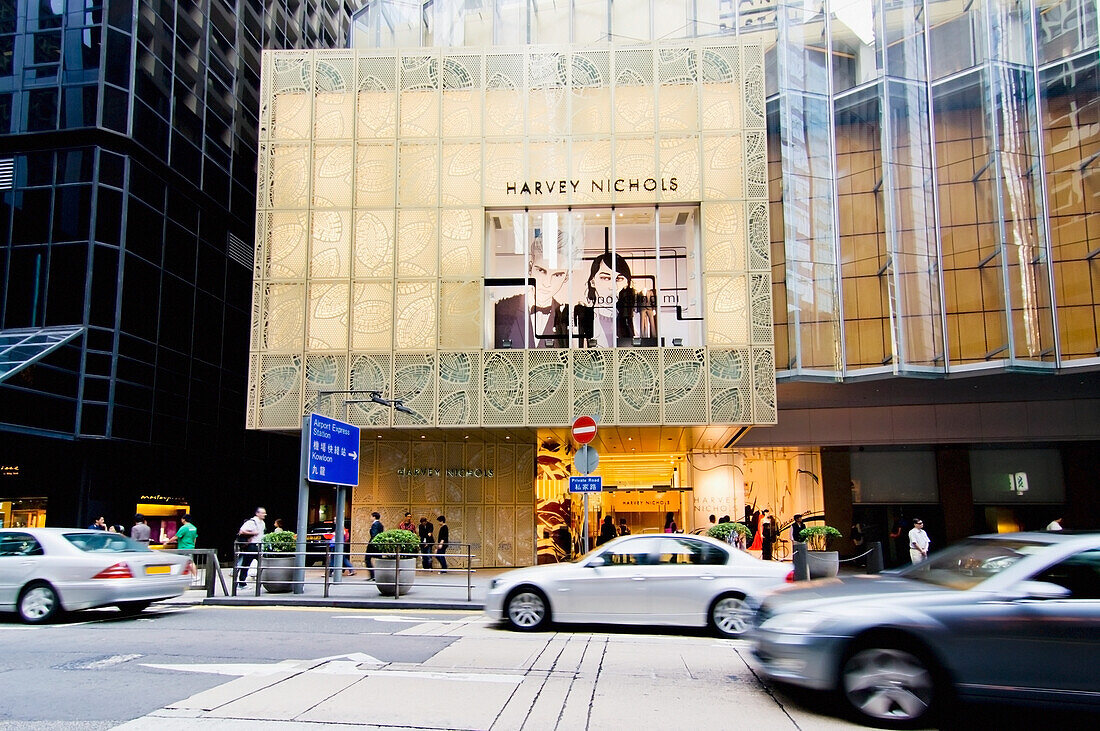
(594, 278)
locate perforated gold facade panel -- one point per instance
(377, 168)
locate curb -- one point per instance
(341, 603)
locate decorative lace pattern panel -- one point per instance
(327, 327)
(369, 372)
(639, 393)
(326, 373)
(459, 314)
(548, 386)
(594, 384)
(504, 380)
(414, 384)
(685, 386)
(763, 382)
(731, 386)
(330, 244)
(727, 310)
(279, 392)
(459, 388)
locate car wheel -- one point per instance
(527, 609)
(38, 603)
(730, 615)
(891, 685)
(132, 607)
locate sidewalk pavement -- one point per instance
(430, 590)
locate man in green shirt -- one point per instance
(187, 533)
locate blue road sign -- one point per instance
(585, 483)
(333, 451)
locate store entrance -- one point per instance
(23, 512)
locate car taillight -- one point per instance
(329, 536)
(189, 568)
(120, 570)
(790, 577)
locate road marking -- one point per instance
(105, 662)
(413, 620)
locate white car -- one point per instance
(662, 579)
(44, 571)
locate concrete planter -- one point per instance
(278, 573)
(391, 579)
(823, 564)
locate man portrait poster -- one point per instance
(538, 317)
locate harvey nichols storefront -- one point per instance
(503, 240)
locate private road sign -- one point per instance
(584, 429)
(585, 483)
(333, 451)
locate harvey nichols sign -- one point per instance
(606, 185)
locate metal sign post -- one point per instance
(330, 454)
(585, 460)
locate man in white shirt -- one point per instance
(248, 543)
(1055, 524)
(918, 542)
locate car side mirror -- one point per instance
(597, 561)
(1042, 590)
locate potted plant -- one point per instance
(722, 532)
(395, 568)
(278, 561)
(823, 563)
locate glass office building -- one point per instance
(932, 185)
(128, 162)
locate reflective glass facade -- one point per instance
(132, 127)
(932, 166)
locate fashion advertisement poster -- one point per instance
(598, 278)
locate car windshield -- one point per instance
(104, 542)
(971, 562)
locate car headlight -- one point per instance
(796, 623)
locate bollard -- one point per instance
(874, 558)
(801, 561)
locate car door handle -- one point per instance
(707, 578)
(637, 578)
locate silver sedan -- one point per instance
(1012, 617)
(664, 579)
(44, 571)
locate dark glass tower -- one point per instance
(127, 199)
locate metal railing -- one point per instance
(207, 569)
(263, 571)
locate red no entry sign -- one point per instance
(584, 429)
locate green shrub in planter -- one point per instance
(722, 531)
(392, 541)
(280, 541)
(816, 536)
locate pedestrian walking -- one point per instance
(918, 542)
(624, 530)
(249, 537)
(407, 523)
(670, 523)
(768, 536)
(375, 528)
(343, 560)
(607, 530)
(797, 526)
(427, 541)
(444, 536)
(99, 523)
(140, 532)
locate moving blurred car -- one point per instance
(1009, 616)
(44, 571)
(661, 579)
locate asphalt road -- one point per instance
(193, 667)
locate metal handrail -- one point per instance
(209, 564)
(329, 568)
